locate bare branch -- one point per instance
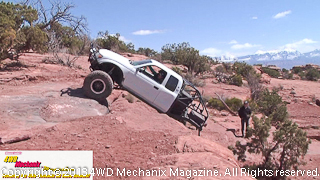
(233, 113)
(60, 12)
(24, 2)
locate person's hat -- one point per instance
(246, 102)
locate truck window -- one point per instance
(136, 63)
(155, 73)
(172, 83)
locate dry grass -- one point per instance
(130, 98)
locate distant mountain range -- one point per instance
(283, 59)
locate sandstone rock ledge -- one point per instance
(199, 158)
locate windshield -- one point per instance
(136, 63)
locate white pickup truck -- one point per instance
(150, 81)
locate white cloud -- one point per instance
(148, 32)
(305, 45)
(244, 46)
(282, 14)
(223, 55)
(302, 42)
(213, 52)
(122, 38)
(238, 50)
(254, 17)
(233, 42)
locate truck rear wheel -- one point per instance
(98, 85)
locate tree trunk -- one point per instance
(225, 105)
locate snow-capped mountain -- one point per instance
(283, 59)
(315, 53)
(271, 56)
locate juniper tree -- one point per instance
(186, 55)
(14, 17)
(30, 25)
(286, 146)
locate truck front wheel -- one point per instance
(98, 85)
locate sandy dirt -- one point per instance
(45, 102)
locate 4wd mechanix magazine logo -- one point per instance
(46, 164)
(14, 159)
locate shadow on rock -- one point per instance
(234, 132)
(73, 92)
(78, 92)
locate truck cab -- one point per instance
(154, 82)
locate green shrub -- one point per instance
(312, 74)
(269, 102)
(216, 104)
(253, 105)
(177, 70)
(279, 115)
(302, 75)
(242, 68)
(234, 103)
(285, 70)
(236, 80)
(297, 70)
(290, 76)
(113, 42)
(220, 69)
(271, 72)
(186, 55)
(146, 51)
(287, 75)
(227, 67)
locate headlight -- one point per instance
(98, 55)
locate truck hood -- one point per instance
(107, 54)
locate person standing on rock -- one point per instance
(244, 114)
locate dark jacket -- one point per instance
(244, 113)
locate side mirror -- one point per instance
(139, 69)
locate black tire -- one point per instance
(98, 85)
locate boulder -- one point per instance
(292, 92)
(195, 152)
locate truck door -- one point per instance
(167, 94)
(146, 82)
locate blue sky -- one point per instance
(214, 27)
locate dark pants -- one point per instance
(244, 121)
